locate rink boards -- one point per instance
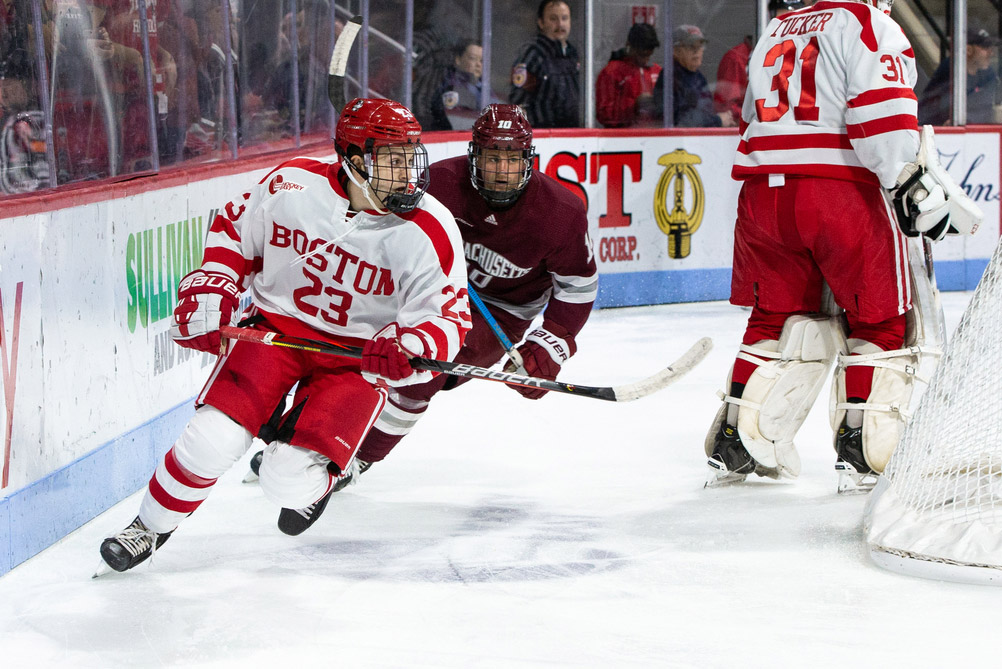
(94, 390)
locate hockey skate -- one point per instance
(297, 521)
(131, 546)
(730, 462)
(255, 468)
(854, 475)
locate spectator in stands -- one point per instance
(89, 75)
(982, 84)
(121, 21)
(732, 73)
(23, 163)
(624, 92)
(693, 104)
(544, 79)
(457, 104)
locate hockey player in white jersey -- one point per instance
(352, 252)
(829, 142)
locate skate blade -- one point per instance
(251, 477)
(718, 476)
(102, 569)
(851, 482)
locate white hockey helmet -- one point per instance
(882, 5)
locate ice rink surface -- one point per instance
(566, 532)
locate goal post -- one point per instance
(936, 511)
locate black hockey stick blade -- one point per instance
(339, 63)
(624, 393)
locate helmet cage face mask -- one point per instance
(373, 128)
(516, 177)
(501, 127)
(383, 167)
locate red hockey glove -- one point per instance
(383, 357)
(544, 351)
(205, 300)
(386, 357)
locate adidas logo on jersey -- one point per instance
(490, 219)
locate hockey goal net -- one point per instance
(937, 509)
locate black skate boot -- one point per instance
(729, 462)
(131, 546)
(855, 476)
(297, 521)
(350, 477)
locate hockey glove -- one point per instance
(927, 200)
(544, 351)
(386, 357)
(205, 301)
(920, 205)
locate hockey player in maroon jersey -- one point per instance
(527, 249)
(350, 251)
(829, 143)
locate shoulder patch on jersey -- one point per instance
(519, 74)
(318, 167)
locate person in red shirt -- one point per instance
(624, 90)
(732, 73)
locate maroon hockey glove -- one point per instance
(205, 300)
(544, 351)
(381, 356)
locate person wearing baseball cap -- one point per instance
(935, 106)
(624, 89)
(693, 103)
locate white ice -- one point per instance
(566, 532)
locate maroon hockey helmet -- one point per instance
(367, 124)
(501, 127)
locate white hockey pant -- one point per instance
(209, 445)
(294, 477)
(887, 409)
(780, 392)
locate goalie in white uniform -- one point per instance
(829, 145)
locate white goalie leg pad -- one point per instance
(887, 409)
(294, 477)
(780, 392)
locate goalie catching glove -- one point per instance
(386, 357)
(927, 201)
(544, 351)
(205, 300)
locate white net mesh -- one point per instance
(940, 498)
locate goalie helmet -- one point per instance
(501, 127)
(367, 125)
(788, 5)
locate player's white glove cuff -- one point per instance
(559, 348)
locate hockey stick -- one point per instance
(339, 63)
(624, 393)
(502, 338)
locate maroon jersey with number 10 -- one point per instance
(534, 254)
